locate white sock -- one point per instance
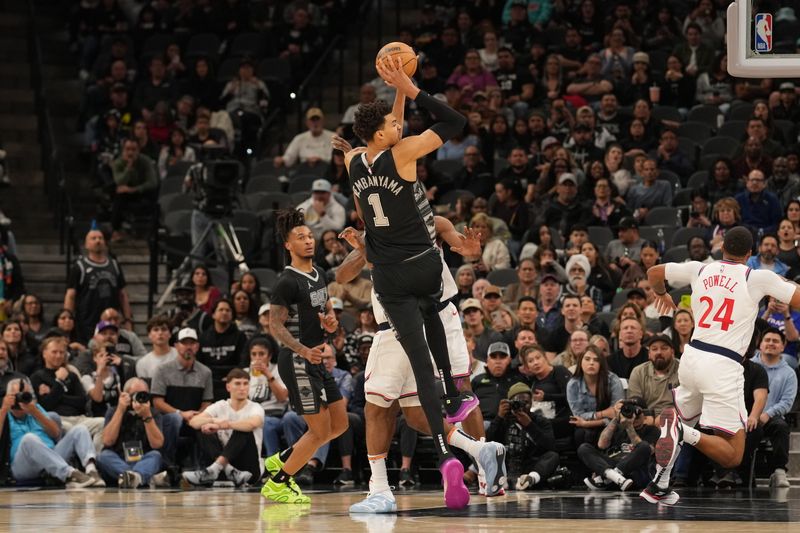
(535, 478)
(612, 474)
(380, 480)
(215, 468)
(462, 441)
(691, 436)
(90, 467)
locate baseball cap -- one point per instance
(104, 324)
(337, 304)
(362, 339)
(314, 112)
(518, 388)
(786, 86)
(547, 142)
(263, 309)
(471, 303)
(580, 126)
(498, 347)
(660, 337)
(321, 185)
(641, 57)
(187, 333)
(492, 289)
(636, 291)
(567, 176)
(549, 277)
(628, 223)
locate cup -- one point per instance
(655, 94)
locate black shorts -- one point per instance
(310, 386)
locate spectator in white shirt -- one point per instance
(322, 211)
(158, 331)
(230, 432)
(312, 146)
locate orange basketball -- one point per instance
(401, 50)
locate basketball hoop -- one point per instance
(751, 44)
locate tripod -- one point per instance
(226, 244)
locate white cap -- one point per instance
(263, 309)
(187, 333)
(321, 185)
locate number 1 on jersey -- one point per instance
(379, 219)
(723, 314)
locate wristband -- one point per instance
(660, 293)
(148, 419)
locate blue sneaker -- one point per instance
(492, 460)
(380, 503)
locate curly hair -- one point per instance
(370, 118)
(286, 220)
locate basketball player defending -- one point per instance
(725, 298)
(300, 315)
(390, 381)
(400, 243)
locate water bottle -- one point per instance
(760, 236)
(661, 244)
(679, 218)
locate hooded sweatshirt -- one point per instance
(782, 387)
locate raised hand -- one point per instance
(470, 243)
(338, 143)
(353, 237)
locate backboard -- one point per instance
(762, 40)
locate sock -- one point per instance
(229, 469)
(612, 474)
(90, 467)
(662, 477)
(281, 477)
(215, 468)
(535, 477)
(380, 479)
(462, 441)
(691, 436)
(284, 455)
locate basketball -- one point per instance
(401, 50)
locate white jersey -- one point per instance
(449, 289)
(725, 299)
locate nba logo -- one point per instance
(763, 32)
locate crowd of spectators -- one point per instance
(603, 138)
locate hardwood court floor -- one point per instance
(224, 510)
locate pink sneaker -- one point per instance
(459, 407)
(456, 495)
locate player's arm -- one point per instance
(355, 261)
(656, 275)
(467, 245)
(450, 122)
(278, 314)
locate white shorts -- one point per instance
(388, 374)
(711, 387)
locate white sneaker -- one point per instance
(129, 480)
(160, 480)
(78, 480)
(97, 480)
(778, 479)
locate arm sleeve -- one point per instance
(682, 272)
(771, 284)
(450, 122)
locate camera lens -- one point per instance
(24, 397)
(141, 397)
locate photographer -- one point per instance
(624, 447)
(131, 439)
(35, 446)
(528, 438)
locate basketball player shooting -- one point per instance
(400, 243)
(725, 297)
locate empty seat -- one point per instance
(666, 112)
(698, 179)
(733, 128)
(269, 200)
(170, 185)
(699, 132)
(203, 45)
(661, 215)
(247, 44)
(263, 184)
(301, 183)
(178, 222)
(600, 235)
(741, 111)
(266, 277)
(682, 236)
(502, 277)
(451, 196)
(707, 114)
(275, 67)
(721, 145)
(299, 197)
(682, 197)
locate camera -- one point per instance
(141, 397)
(517, 405)
(630, 409)
(215, 183)
(561, 479)
(695, 214)
(24, 397)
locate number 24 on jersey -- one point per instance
(722, 315)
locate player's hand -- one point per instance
(470, 243)
(328, 321)
(353, 237)
(391, 70)
(664, 304)
(312, 355)
(338, 143)
(752, 423)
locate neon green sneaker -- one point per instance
(283, 493)
(273, 464)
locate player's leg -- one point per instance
(380, 422)
(490, 456)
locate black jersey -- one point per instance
(97, 287)
(305, 296)
(397, 214)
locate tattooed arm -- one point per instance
(278, 314)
